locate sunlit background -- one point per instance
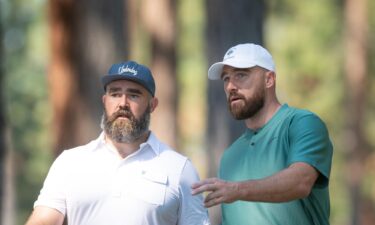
(53, 53)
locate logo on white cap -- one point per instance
(229, 53)
(123, 69)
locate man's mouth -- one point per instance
(234, 99)
(122, 116)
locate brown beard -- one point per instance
(126, 131)
(250, 108)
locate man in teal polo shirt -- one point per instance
(277, 172)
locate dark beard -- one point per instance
(251, 107)
(126, 131)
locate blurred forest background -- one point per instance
(52, 54)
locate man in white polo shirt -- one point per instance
(126, 176)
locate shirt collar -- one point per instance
(100, 140)
(152, 141)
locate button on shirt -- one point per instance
(94, 186)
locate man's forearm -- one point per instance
(289, 184)
(292, 183)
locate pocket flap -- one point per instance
(151, 187)
(155, 176)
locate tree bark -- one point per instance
(87, 37)
(356, 70)
(241, 21)
(3, 148)
(7, 200)
(160, 20)
(7, 197)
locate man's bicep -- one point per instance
(45, 216)
(306, 172)
(310, 143)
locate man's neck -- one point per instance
(125, 149)
(263, 116)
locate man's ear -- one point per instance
(154, 103)
(270, 79)
(104, 98)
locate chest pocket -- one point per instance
(151, 187)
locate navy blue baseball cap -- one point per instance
(132, 71)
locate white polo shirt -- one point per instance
(92, 185)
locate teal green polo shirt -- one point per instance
(291, 135)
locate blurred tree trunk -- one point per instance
(2, 126)
(7, 199)
(6, 160)
(356, 70)
(3, 147)
(87, 37)
(241, 21)
(160, 21)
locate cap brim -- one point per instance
(215, 71)
(110, 78)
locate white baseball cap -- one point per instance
(243, 56)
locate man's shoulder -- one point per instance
(81, 149)
(169, 159)
(298, 113)
(164, 150)
(303, 119)
(169, 153)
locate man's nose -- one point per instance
(230, 86)
(123, 101)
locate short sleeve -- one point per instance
(192, 210)
(310, 143)
(53, 192)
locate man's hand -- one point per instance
(220, 191)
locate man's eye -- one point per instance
(225, 79)
(133, 96)
(116, 95)
(240, 75)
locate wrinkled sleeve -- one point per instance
(310, 143)
(53, 191)
(192, 210)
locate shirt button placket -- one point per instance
(252, 141)
(116, 188)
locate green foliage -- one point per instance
(306, 38)
(307, 46)
(27, 105)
